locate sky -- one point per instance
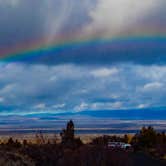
(72, 56)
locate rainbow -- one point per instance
(38, 47)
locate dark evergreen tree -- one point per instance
(67, 135)
(68, 138)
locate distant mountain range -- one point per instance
(86, 122)
(133, 114)
(137, 114)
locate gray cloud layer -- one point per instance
(23, 20)
(35, 88)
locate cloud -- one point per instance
(25, 21)
(98, 106)
(59, 106)
(141, 106)
(83, 106)
(24, 24)
(40, 106)
(28, 89)
(104, 72)
(1, 99)
(112, 18)
(106, 106)
(10, 3)
(97, 75)
(56, 15)
(153, 86)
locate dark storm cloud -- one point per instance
(19, 23)
(24, 21)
